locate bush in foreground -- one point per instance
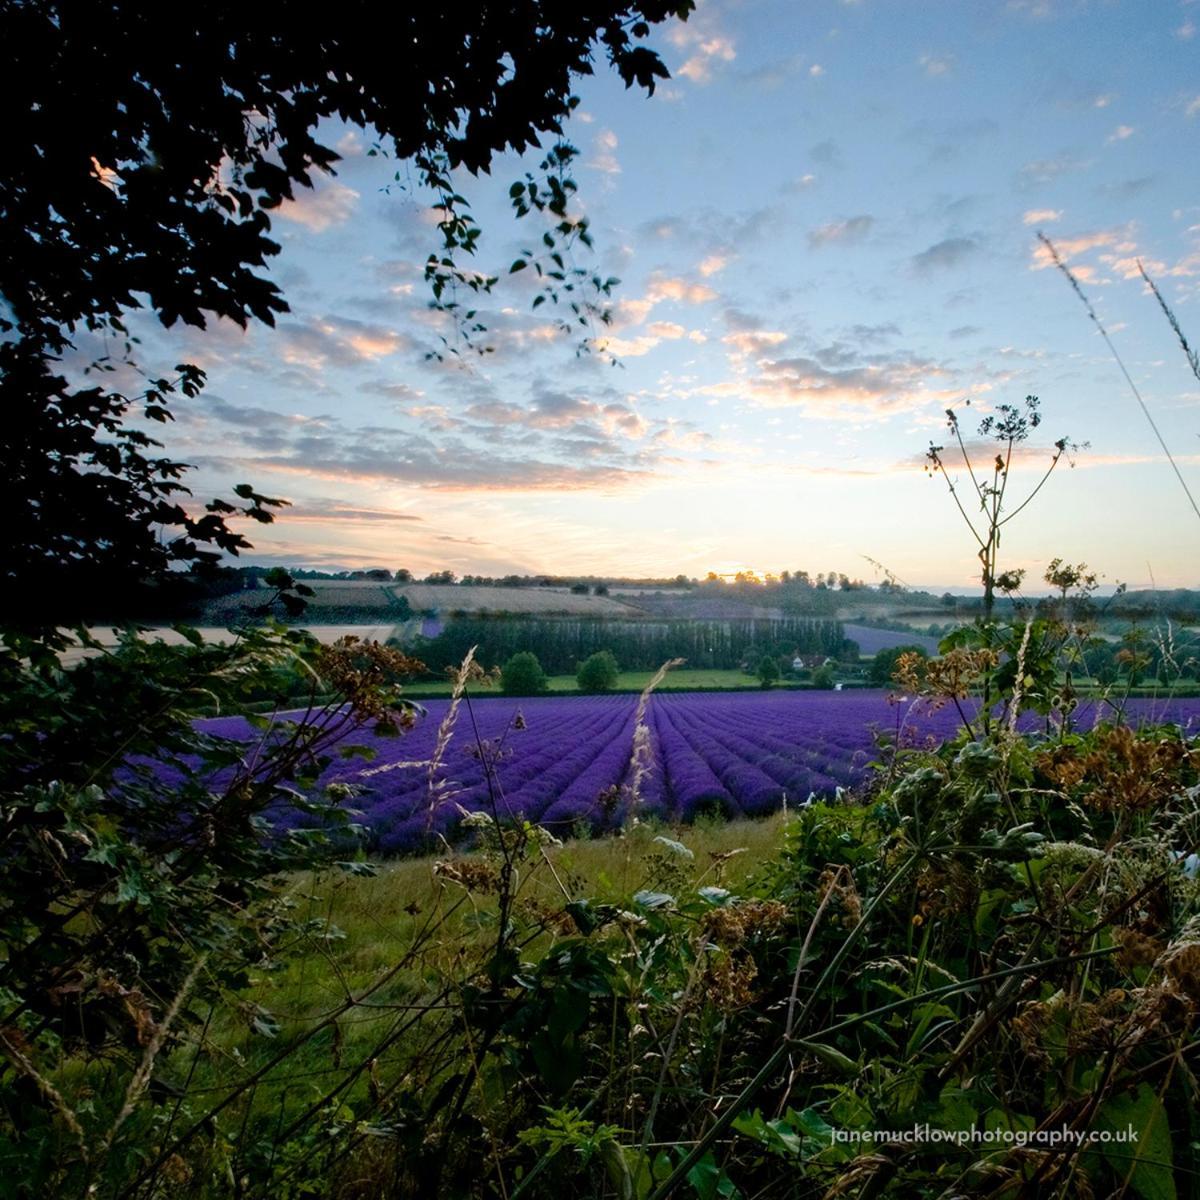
(972, 956)
(999, 934)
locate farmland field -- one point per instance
(871, 641)
(325, 634)
(448, 597)
(328, 595)
(562, 761)
(682, 679)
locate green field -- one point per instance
(376, 924)
(630, 681)
(371, 937)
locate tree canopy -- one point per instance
(598, 672)
(768, 671)
(157, 144)
(522, 675)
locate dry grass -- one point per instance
(325, 634)
(327, 594)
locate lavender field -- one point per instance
(561, 761)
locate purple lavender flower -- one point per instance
(739, 753)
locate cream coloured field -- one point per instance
(325, 634)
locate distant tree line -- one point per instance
(561, 644)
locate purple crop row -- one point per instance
(558, 765)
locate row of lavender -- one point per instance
(563, 760)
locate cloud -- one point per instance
(946, 140)
(556, 410)
(109, 176)
(1120, 134)
(980, 450)
(936, 64)
(1047, 170)
(560, 440)
(443, 468)
(253, 426)
(706, 48)
(1186, 31)
(339, 341)
(392, 390)
(668, 330)
(1192, 107)
(945, 255)
(350, 145)
(677, 434)
(747, 342)
(663, 229)
(252, 416)
(846, 232)
(873, 388)
(334, 511)
(716, 231)
(1031, 457)
(666, 287)
(634, 347)
(1042, 216)
(1037, 10)
(699, 68)
(659, 289)
(712, 264)
(776, 73)
(604, 156)
(326, 205)
(1127, 188)
(632, 311)
(1126, 260)
(1119, 240)
(873, 333)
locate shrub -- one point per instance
(142, 864)
(823, 679)
(599, 673)
(768, 671)
(522, 675)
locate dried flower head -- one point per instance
(838, 884)
(1135, 949)
(729, 980)
(368, 676)
(469, 874)
(1121, 770)
(732, 924)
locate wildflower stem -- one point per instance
(737, 1106)
(1137, 395)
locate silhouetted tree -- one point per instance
(158, 141)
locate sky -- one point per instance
(824, 227)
